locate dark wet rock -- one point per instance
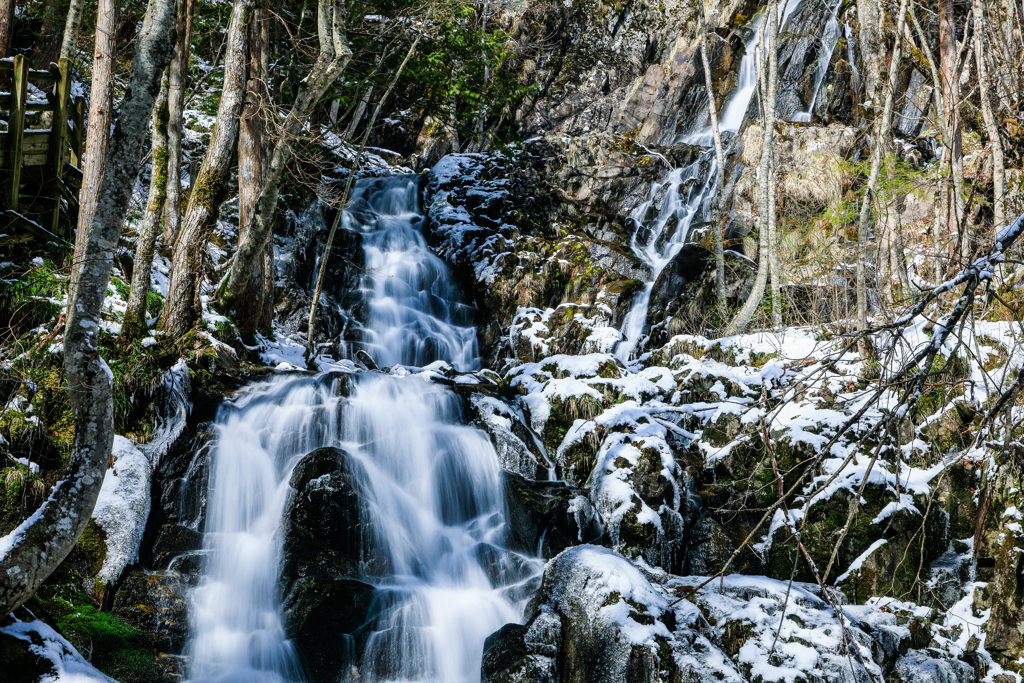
(546, 516)
(171, 541)
(325, 601)
(155, 603)
(513, 441)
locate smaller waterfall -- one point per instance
(415, 316)
(829, 40)
(685, 197)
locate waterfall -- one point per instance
(829, 40)
(429, 484)
(685, 194)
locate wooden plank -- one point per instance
(33, 159)
(30, 105)
(59, 139)
(16, 130)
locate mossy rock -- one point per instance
(20, 664)
(111, 645)
(564, 412)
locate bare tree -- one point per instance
(717, 210)
(981, 33)
(175, 119)
(182, 307)
(884, 90)
(42, 542)
(950, 71)
(134, 323)
(766, 186)
(333, 58)
(97, 135)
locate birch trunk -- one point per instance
(742, 320)
(717, 208)
(175, 120)
(135, 314)
(97, 135)
(183, 307)
(332, 60)
(883, 90)
(981, 30)
(42, 542)
(72, 27)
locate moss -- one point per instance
(563, 413)
(111, 645)
(93, 543)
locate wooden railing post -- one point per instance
(78, 134)
(16, 130)
(59, 138)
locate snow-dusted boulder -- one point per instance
(122, 508)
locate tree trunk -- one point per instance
(252, 152)
(332, 60)
(981, 30)
(175, 120)
(6, 27)
(872, 50)
(311, 325)
(135, 315)
(42, 542)
(51, 35)
(765, 189)
(717, 208)
(884, 90)
(183, 307)
(350, 132)
(97, 136)
(948, 59)
(72, 25)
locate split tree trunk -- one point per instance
(175, 120)
(332, 60)
(134, 324)
(717, 202)
(766, 187)
(183, 307)
(256, 310)
(42, 542)
(97, 135)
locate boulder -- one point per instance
(155, 603)
(546, 516)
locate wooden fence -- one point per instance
(40, 154)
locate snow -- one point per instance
(123, 507)
(68, 665)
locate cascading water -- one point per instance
(686, 193)
(429, 484)
(829, 40)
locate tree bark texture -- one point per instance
(981, 33)
(175, 120)
(949, 67)
(183, 307)
(39, 544)
(97, 135)
(134, 323)
(6, 27)
(331, 61)
(72, 26)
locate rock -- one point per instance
(513, 441)
(171, 541)
(155, 603)
(323, 560)
(918, 667)
(546, 515)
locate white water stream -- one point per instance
(686, 193)
(430, 485)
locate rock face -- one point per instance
(323, 556)
(546, 517)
